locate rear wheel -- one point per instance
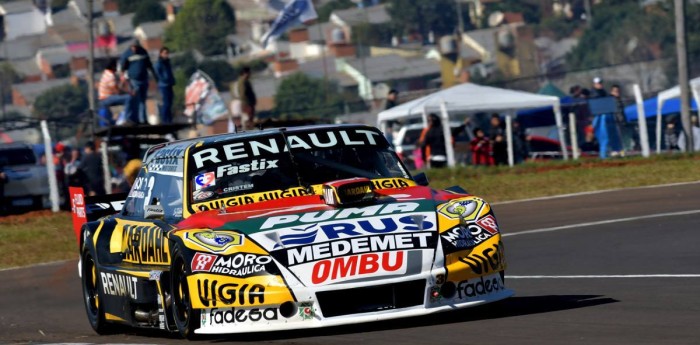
(186, 318)
(92, 296)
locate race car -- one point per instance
(282, 229)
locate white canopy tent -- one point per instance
(674, 92)
(472, 98)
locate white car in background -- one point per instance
(27, 182)
(406, 138)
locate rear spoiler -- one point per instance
(91, 208)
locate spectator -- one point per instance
(625, 133)
(432, 143)
(598, 89)
(590, 144)
(91, 168)
(166, 80)
(109, 91)
(671, 136)
(72, 170)
(521, 142)
(136, 63)
(3, 180)
(500, 150)
(481, 148)
(391, 99)
(497, 127)
(246, 94)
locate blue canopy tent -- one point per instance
(671, 106)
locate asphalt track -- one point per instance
(583, 276)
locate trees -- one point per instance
(8, 76)
(62, 101)
(623, 32)
(423, 16)
(300, 96)
(202, 25)
(148, 11)
(324, 12)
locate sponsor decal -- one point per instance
(489, 224)
(78, 205)
(392, 183)
(202, 195)
(169, 152)
(358, 266)
(275, 145)
(345, 213)
(119, 285)
(255, 165)
(490, 259)
(145, 244)
(158, 167)
(215, 241)
(238, 265)
(154, 275)
(249, 199)
(353, 228)
(213, 293)
(202, 262)
(204, 180)
(477, 287)
(240, 187)
(462, 208)
(306, 310)
(357, 245)
(229, 316)
(466, 236)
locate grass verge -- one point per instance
(36, 237)
(44, 236)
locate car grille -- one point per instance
(372, 298)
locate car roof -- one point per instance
(15, 145)
(219, 138)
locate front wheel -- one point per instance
(186, 318)
(92, 296)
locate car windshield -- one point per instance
(18, 156)
(264, 163)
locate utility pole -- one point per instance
(589, 15)
(681, 51)
(459, 17)
(91, 69)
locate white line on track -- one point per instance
(39, 265)
(560, 196)
(608, 276)
(602, 222)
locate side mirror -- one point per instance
(154, 210)
(421, 179)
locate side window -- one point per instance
(168, 190)
(166, 186)
(135, 202)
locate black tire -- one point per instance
(186, 318)
(92, 297)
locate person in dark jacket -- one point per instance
(391, 99)
(246, 94)
(432, 142)
(135, 64)
(166, 80)
(91, 168)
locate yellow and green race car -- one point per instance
(282, 229)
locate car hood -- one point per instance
(321, 244)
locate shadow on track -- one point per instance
(514, 306)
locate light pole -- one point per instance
(681, 51)
(91, 69)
